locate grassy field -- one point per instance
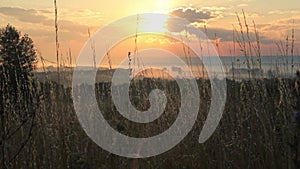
(257, 129)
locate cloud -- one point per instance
(242, 5)
(225, 35)
(278, 30)
(24, 15)
(39, 17)
(72, 26)
(214, 8)
(269, 33)
(192, 15)
(281, 12)
(282, 25)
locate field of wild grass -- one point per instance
(258, 128)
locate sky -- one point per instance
(274, 21)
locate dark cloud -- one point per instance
(192, 15)
(198, 17)
(176, 26)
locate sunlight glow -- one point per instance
(154, 24)
(162, 6)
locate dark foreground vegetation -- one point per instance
(259, 128)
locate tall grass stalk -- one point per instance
(93, 48)
(70, 58)
(248, 39)
(258, 49)
(293, 45)
(242, 44)
(56, 40)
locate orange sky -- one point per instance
(274, 20)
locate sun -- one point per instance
(154, 23)
(158, 23)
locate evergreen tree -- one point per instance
(17, 90)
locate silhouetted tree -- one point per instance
(17, 107)
(18, 55)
